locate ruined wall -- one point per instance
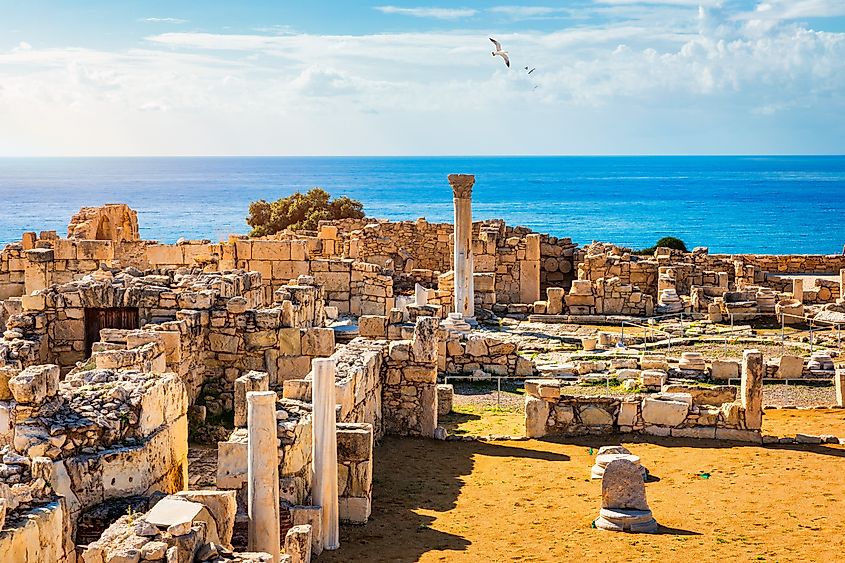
(687, 415)
(113, 221)
(463, 354)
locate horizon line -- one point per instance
(398, 156)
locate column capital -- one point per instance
(462, 185)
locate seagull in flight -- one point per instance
(499, 52)
(530, 71)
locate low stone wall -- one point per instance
(38, 534)
(462, 354)
(664, 414)
(680, 411)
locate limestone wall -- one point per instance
(39, 534)
(696, 413)
(462, 354)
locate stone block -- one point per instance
(372, 326)
(35, 384)
(298, 543)
(318, 342)
(536, 415)
(722, 370)
(664, 412)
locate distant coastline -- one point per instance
(731, 204)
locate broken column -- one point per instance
(623, 503)
(324, 428)
(263, 473)
(463, 258)
(751, 388)
(839, 383)
(798, 290)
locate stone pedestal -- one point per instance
(456, 322)
(464, 291)
(624, 507)
(668, 302)
(263, 473)
(324, 427)
(751, 388)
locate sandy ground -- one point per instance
(789, 422)
(534, 501)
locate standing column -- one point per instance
(324, 429)
(842, 285)
(263, 473)
(463, 258)
(751, 388)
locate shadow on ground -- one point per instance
(413, 476)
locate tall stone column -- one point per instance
(324, 428)
(263, 473)
(464, 291)
(751, 388)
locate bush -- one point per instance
(300, 212)
(666, 242)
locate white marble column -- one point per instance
(420, 296)
(324, 428)
(263, 473)
(464, 291)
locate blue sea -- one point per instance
(760, 204)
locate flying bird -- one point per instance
(530, 71)
(499, 52)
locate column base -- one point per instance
(457, 323)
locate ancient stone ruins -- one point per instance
(306, 348)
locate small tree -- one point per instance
(666, 242)
(300, 212)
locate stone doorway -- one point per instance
(107, 317)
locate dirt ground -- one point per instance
(534, 501)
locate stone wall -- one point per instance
(462, 354)
(680, 411)
(409, 397)
(99, 435)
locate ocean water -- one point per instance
(761, 204)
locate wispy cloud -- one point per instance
(795, 9)
(428, 12)
(527, 12)
(164, 20)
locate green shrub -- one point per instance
(666, 242)
(300, 212)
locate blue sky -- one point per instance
(353, 77)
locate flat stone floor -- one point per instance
(534, 501)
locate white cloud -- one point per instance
(708, 84)
(437, 13)
(526, 11)
(163, 20)
(795, 9)
(22, 46)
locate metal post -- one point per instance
(811, 336)
(782, 334)
(499, 393)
